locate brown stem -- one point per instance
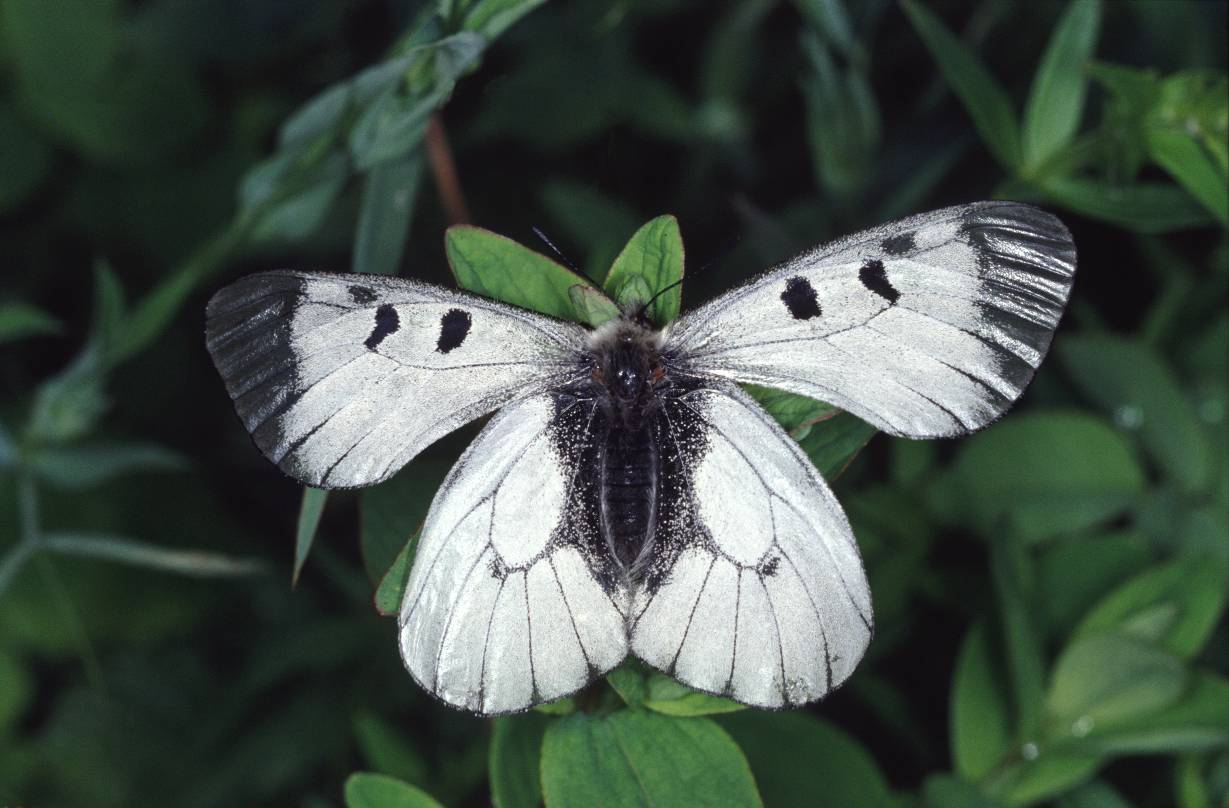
(439, 155)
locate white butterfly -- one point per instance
(629, 497)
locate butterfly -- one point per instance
(627, 496)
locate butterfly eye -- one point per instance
(657, 373)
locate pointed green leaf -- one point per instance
(1175, 605)
(1145, 207)
(1105, 677)
(390, 513)
(384, 217)
(637, 757)
(598, 224)
(985, 99)
(497, 267)
(1056, 103)
(21, 320)
(651, 261)
(1012, 574)
(310, 510)
(591, 305)
(391, 588)
(630, 681)
(1186, 161)
(365, 790)
(665, 695)
(833, 443)
(1046, 472)
(492, 17)
(515, 760)
(796, 414)
(981, 726)
(800, 760)
(85, 465)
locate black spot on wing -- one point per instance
(875, 278)
(387, 322)
(454, 328)
(768, 567)
(899, 244)
(800, 298)
(361, 294)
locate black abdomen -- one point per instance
(629, 491)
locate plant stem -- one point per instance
(444, 170)
(27, 543)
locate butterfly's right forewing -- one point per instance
(342, 379)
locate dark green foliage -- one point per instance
(1050, 594)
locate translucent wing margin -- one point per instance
(930, 326)
(756, 589)
(514, 598)
(342, 379)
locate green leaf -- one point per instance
(21, 320)
(630, 681)
(516, 760)
(386, 751)
(1011, 572)
(1100, 678)
(651, 262)
(982, 733)
(1056, 103)
(1198, 720)
(985, 99)
(1036, 778)
(394, 122)
(833, 443)
(497, 267)
(310, 510)
(391, 588)
(1175, 605)
(365, 790)
(843, 124)
(1046, 472)
(637, 757)
(1132, 383)
(591, 305)
(796, 414)
(1145, 207)
(664, 695)
(384, 216)
(194, 563)
(492, 17)
(88, 465)
(800, 760)
(393, 511)
(1179, 154)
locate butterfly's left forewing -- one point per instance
(514, 598)
(755, 589)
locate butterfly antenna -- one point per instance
(567, 261)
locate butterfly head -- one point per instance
(627, 360)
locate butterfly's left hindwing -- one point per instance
(755, 589)
(514, 598)
(342, 379)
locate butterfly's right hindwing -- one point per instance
(342, 379)
(515, 598)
